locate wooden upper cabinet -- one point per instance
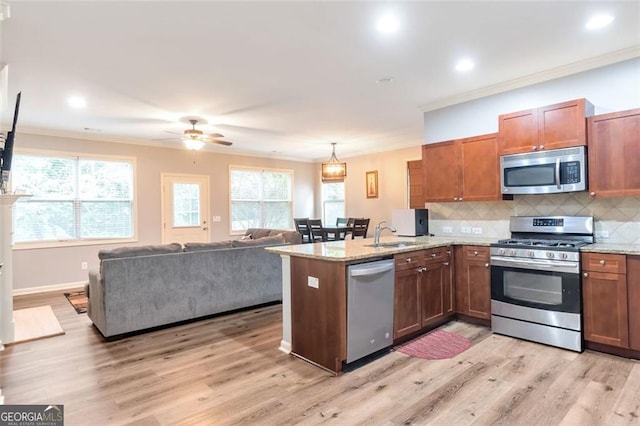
(462, 170)
(555, 126)
(518, 131)
(480, 169)
(416, 185)
(614, 154)
(441, 170)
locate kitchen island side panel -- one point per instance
(318, 315)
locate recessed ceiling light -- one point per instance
(76, 102)
(465, 65)
(388, 24)
(385, 80)
(598, 21)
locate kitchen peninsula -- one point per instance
(314, 289)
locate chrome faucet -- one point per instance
(379, 229)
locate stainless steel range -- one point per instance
(536, 289)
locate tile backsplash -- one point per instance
(617, 220)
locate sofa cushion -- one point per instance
(135, 251)
(266, 241)
(257, 233)
(207, 246)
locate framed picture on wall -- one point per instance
(372, 184)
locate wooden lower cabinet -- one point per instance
(423, 290)
(606, 311)
(407, 309)
(633, 298)
(434, 293)
(473, 281)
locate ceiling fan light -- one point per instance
(193, 144)
(334, 170)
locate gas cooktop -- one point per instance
(529, 242)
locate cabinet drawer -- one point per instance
(409, 260)
(473, 253)
(437, 254)
(600, 262)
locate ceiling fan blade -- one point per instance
(215, 135)
(225, 143)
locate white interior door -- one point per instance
(185, 208)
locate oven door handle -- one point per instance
(567, 267)
(558, 184)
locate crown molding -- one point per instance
(551, 74)
(149, 143)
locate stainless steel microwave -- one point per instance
(544, 172)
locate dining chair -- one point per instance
(302, 226)
(342, 221)
(317, 231)
(360, 228)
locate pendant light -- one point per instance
(334, 170)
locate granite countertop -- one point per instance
(358, 249)
(617, 248)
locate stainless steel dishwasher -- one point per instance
(369, 308)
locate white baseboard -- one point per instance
(285, 347)
(45, 288)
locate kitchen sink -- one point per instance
(393, 244)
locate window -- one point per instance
(332, 202)
(74, 198)
(261, 198)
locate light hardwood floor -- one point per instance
(228, 370)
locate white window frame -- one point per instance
(324, 202)
(257, 169)
(87, 241)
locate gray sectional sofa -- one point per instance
(139, 288)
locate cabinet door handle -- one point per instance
(602, 262)
(460, 199)
(434, 254)
(408, 259)
(586, 275)
(446, 263)
(486, 265)
(541, 147)
(475, 252)
(455, 198)
(535, 148)
(592, 194)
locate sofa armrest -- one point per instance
(95, 299)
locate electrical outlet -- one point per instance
(83, 265)
(447, 230)
(476, 231)
(313, 282)
(602, 234)
(465, 229)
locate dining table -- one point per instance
(335, 233)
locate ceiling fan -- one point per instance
(195, 138)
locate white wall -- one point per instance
(50, 266)
(611, 88)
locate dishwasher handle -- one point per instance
(378, 269)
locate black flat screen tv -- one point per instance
(6, 153)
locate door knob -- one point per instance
(586, 275)
(205, 228)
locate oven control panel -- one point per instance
(548, 221)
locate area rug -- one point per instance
(438, 344)
(78, 300)
(35, 323)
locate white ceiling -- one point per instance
(286, 78)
